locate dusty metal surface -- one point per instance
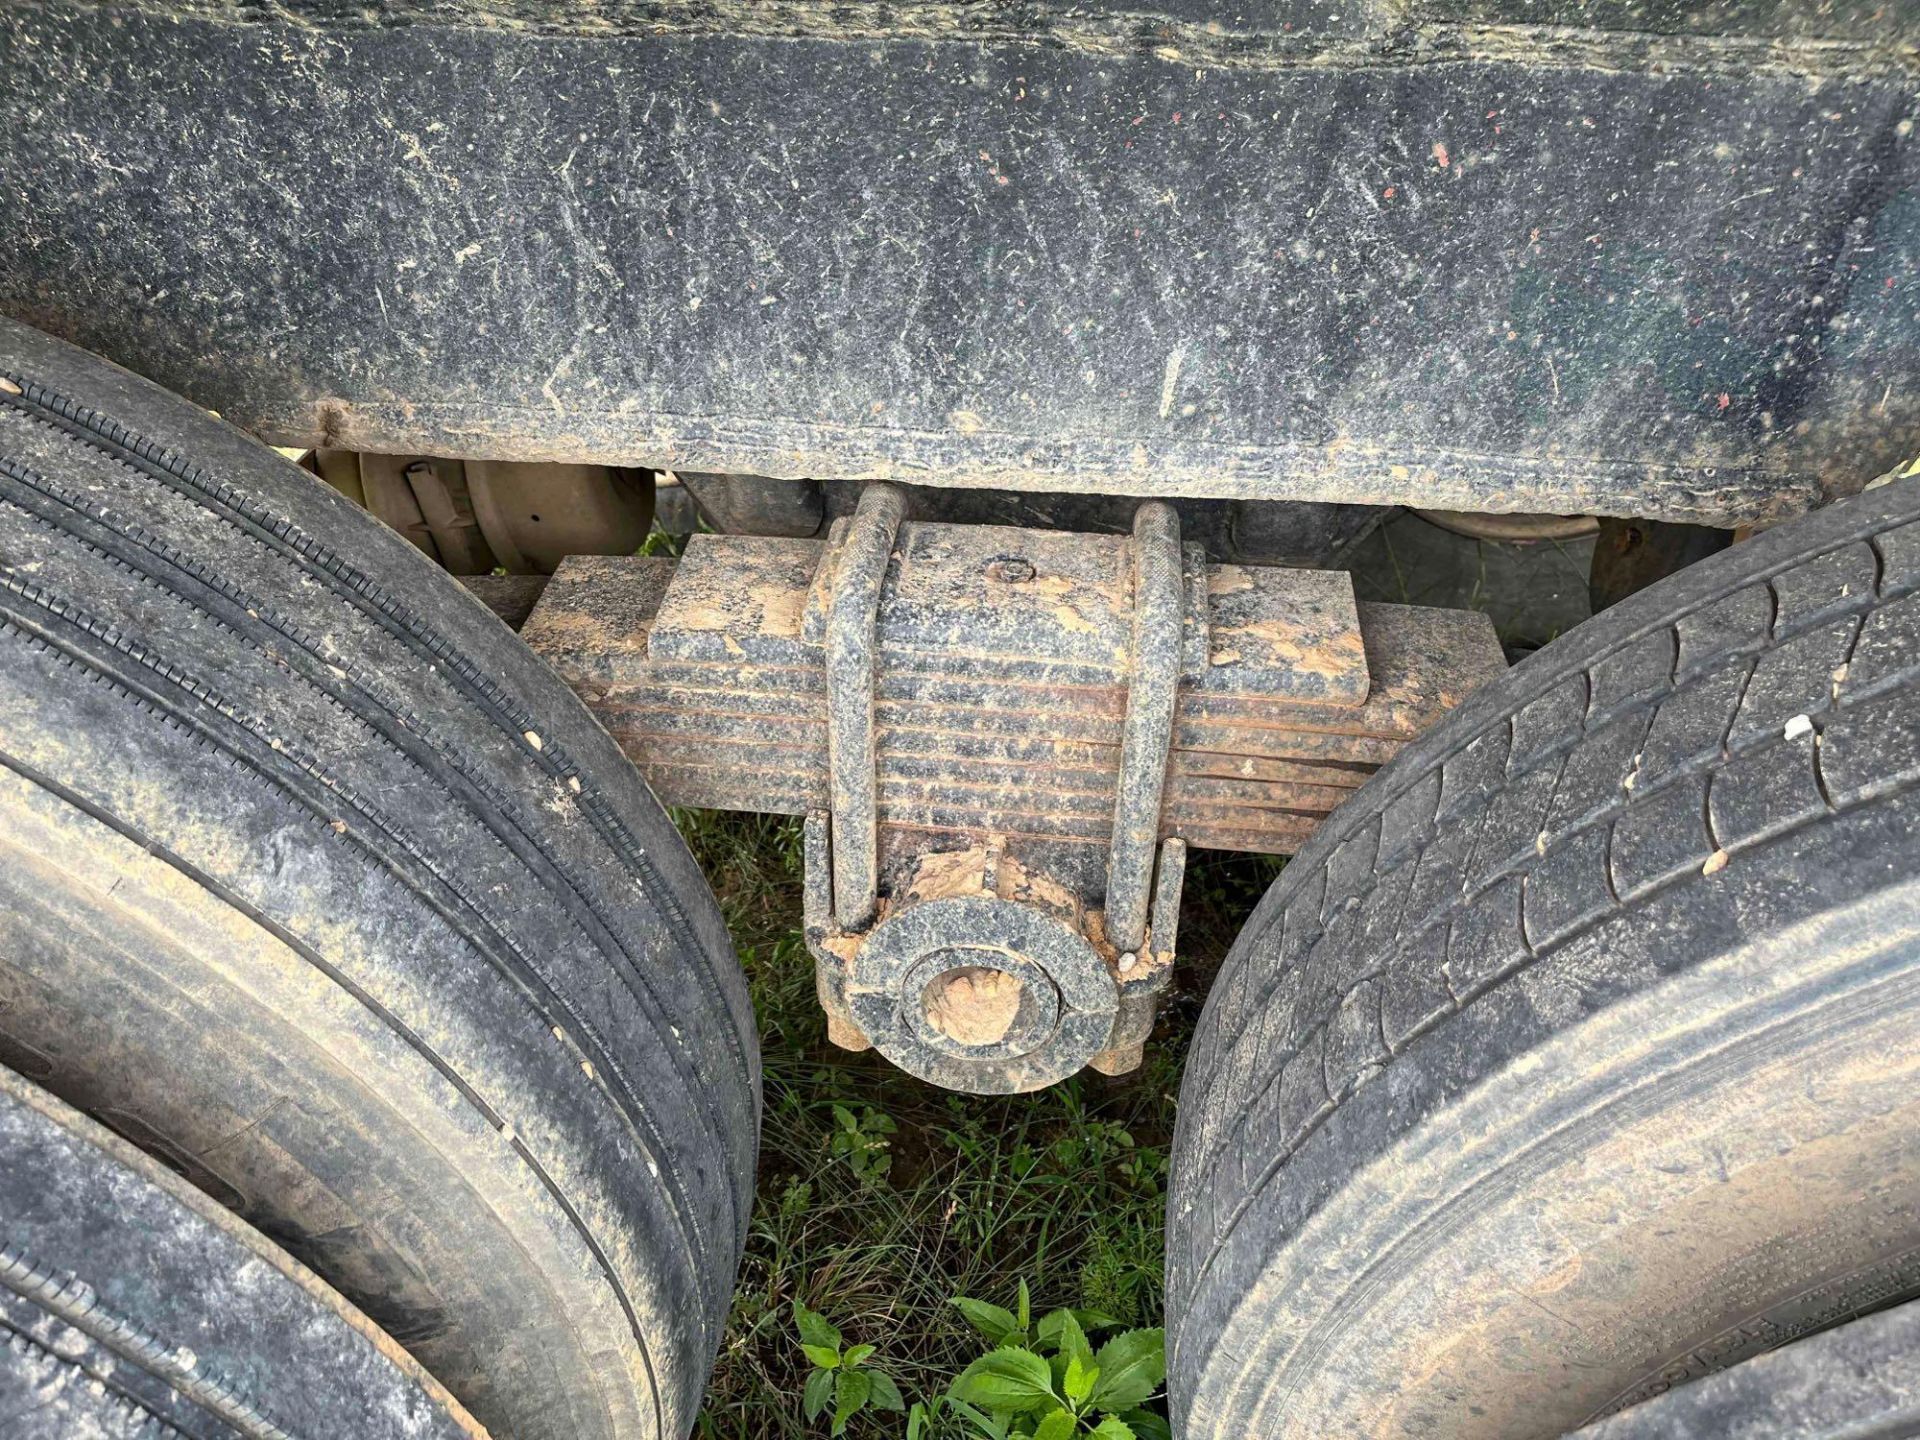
(983, 972)
(988, 968)
(757, 504)
(992, 969)
(1032, 729)
(1159, 625)
(1143, 972)
(719, 695)
(857, 560)
(1569, 256)
(477, 516)
(1309, 535)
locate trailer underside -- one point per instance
(1570, 257)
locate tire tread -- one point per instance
(1529, 817)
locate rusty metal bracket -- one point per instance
(1142, 982)
(1004, 741)
(857, 567)
(1159, 601)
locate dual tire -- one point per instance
(318, 885)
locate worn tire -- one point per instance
(1859, 1381)
(131, 1304)
(1577, 1055)
(316, 882)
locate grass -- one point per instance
(881, 1197)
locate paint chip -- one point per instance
(1799, 725)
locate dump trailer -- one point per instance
(374, 1059)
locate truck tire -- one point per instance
(1860, 1381)
(131, 1304)
(1579, 1053)
(316, 883)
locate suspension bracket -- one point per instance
(992, 970)
(1004, 742)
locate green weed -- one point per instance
(1041, 1380)
(861, 1141)
(841, 1383)
(1047, 1382)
